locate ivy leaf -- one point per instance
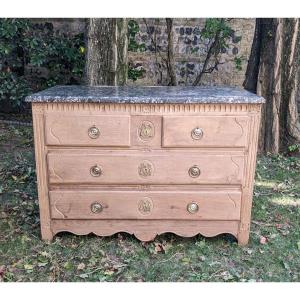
(298, 245)
(68, 265)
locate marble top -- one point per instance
(145, 94)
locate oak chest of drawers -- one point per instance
(145, 160)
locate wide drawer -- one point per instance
(91, 130)
(135, 167)
(200, 205)
(205, 131)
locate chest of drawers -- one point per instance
(145, 160)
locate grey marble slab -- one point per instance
(145, 94)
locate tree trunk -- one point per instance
(290, 82)
(272, 71)
(171, 60)
(250, 82)
(106, 55)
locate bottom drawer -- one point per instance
(193, 205)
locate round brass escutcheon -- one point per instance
(197, 133)
(96, 208)
(194, 171)
(94, 132)
(96, 171)
(192, 208)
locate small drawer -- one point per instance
(136, 167)
(92, 130)
(205, 131)
(187, 205)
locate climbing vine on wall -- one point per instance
(134, 71)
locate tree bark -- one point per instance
(250, 82)
(170, 60)
(106, 55)
(290, 82)
(273, 73)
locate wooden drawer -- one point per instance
(198, 205)
(91, 130)
(136, 167)
(205, 131)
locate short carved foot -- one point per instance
(47, 235)
(243, 238)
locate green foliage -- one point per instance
(22, 44)
(217, 34)
(217, 31)
(293, 148)
(13, 89)
(135, 73)
(133, 29)
(238, 63)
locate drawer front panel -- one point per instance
(145, 205)
(130, 167)
(205, 131)
(93, 130)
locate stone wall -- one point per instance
(70, 26)
(188, 50)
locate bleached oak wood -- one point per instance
(41, 170)
(146, 230)
(165, 167)
(225, 155)
(148, 109)
(217, 131)
(73, 130)
(142, 125)
(213, 205)
(244, 228)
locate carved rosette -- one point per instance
(146, 131)
(146, 169)
(145, 206)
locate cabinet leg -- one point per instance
(243, 238)
(47, 234)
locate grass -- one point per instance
(273, 253)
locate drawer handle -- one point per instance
(96, 171)
(192, 208)
(96, 208)
(197, 133)
(194, 171)
(94, 132)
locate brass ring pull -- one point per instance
(197, 133)
(194, 171)
(96, 171)
(94, 132)
(96, 208)
(192, 208)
